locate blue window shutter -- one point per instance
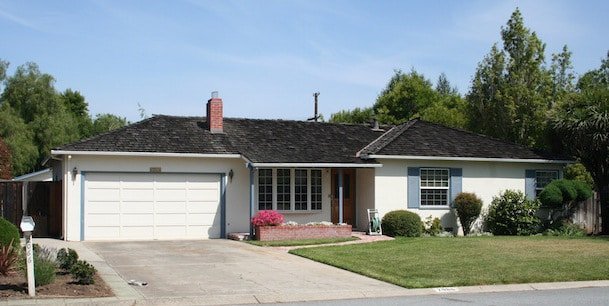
(456, 183)
(529, 183)
(413, 187)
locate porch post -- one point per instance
(252, 200)
(340, 196)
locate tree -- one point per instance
(20, 140)
(510, 92)
(404, 97)
(561, 71)
(79, 109)
(444, 87)
(6, 166)
(356, 115)
(107, 122)
(583, 124)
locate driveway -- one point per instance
(231, 272)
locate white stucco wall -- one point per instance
(485, 179)
(364, 197)
(237, 189)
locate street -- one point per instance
(582, 296)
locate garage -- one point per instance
(149, 206)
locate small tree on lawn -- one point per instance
(562, 197)
(468, 207)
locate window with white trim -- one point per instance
(543, 178)
(284, 192)
(265, 189)
(434, 186)
(290, 189)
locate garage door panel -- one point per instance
(135, 232)
(103, 207)
(170, 195)
(151, 206)
(141, 207)
(137, 195)
(210, 195)
(203, 207)
(96, 194)
(103, 220)
(170, 207)
(137, 219)
(170, 219)
(103, 232)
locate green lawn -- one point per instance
(301, 242)
(441, 262)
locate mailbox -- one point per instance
(27, 224)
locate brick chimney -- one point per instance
(214, 113)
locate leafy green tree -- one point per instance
(404, 97)
(578, 172)
(107, 122)
(583, 124)
(444, 87)
(356, 115)
(79, 109)
(20, 140)
(511, 89)
(6, 166)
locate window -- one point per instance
(543, 178)
(434, 186)
(265, 189)
(316, 189)
(283, 189)
(300, 190)
(290, 189)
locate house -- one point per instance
(170, 177)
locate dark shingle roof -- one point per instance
(421, 138)
(261, 141)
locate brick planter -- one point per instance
(294, 232)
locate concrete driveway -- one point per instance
(231, 272)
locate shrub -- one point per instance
(9, 257)
(402, 223)
(567, 229)
(83, 272)
(578, 172)
(267, 217)
(511, 213)
(9, 233)
(584, 191)
(433, 226)
(569, 193)
(551, 196)
(66, 258)
(44, 271)
(468, 207)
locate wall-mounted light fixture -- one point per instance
(74, 173)
(230, 175)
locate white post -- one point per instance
(27, 227)
(29, 252)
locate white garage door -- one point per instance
(145, 206)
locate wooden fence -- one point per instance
(588, 214)
(44, 201)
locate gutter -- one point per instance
(144, 154)
(472, 159)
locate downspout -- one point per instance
(340, 196)
(252, 198)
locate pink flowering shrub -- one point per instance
(267, 217)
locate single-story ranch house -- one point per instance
(169, 177)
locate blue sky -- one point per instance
(266, 58)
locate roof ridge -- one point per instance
(399, 130)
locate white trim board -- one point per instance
(154, 154)
(474, 159)
(313, 165)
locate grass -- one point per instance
(300, 242)
(442, 262)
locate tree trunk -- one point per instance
(604, 197)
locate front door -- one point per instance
(348, 196)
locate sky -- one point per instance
(267, 58)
